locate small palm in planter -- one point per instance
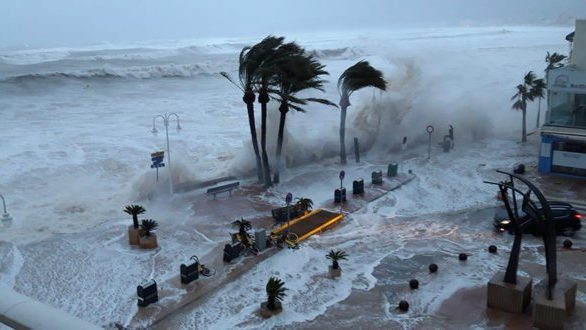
(275, 294)
(243, 227)
(134, 231)
(305, 204)
(335, 256)
(149, 239)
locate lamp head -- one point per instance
(155, 131)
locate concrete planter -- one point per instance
(334, 272)
(149, 242)
(266, 313)
(134, 235)
(552, 314)
(512, 298)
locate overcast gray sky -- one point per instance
(86, 22)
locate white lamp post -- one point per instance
(5, 215)
(166, 118)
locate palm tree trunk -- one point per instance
(135, 220)
(524, 138)
(343, 160)
(263, 98)
(248, 98)
(283, 108)
(538, 112)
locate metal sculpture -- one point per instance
(535, 212)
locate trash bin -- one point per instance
(147, 293)
(340, 195)
(392, 169)
(447, 144)
(189, 272)
(377, 177)
(358, 187)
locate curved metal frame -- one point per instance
(541, 215)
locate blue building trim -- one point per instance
(545, 153)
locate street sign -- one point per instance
(342, 174)
(289, 198)
(429, 130)
(157, 159)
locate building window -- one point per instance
(561, 104)
(577, 163)
(567, 109)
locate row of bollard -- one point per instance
(358, 185)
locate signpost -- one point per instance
(157, 159)
(288, 199)
(342, 175)
(429, 130)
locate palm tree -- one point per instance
(553, 61)
(243, 227)
(335, 256)
(249, 61)
(356, 77)
(296, 71)
(521, 98)
(134, 210)
(149, 225)
(275, 292)
(305, 204)
(538, 91)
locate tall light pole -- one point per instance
(166, 117)
(5, 215)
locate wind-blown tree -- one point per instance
(538, 91)
(275, 292)
(149, 225)
(526, 92)
(356, 77)
(553, 61)
(134, 210)
(243, 227)
(335, 257)
(296, 71)
(250, 59)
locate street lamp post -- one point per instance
(166, 117)
(288, 199)
(5, 215)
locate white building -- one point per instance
(563, 135)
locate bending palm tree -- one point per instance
(525, 92)
(134, 210)
(250, 60)
(295, 72)
(243, 227)
(356, 77)
(336, 256)
(275, 292)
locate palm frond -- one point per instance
(360, 75)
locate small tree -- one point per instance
(305, 204)
(335, 256)
(275, 292)
(149, 225)
(243, 227)
(134, 210)
(526, 92)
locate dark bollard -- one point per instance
(340, 195)
(463, 257)
(432, 268)
(492, 249)
(568, 244)
(189, 272)
(392, 169)
(403, 306)
(414, 284)
(358, 187)
(147, 293)
(377, 177)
